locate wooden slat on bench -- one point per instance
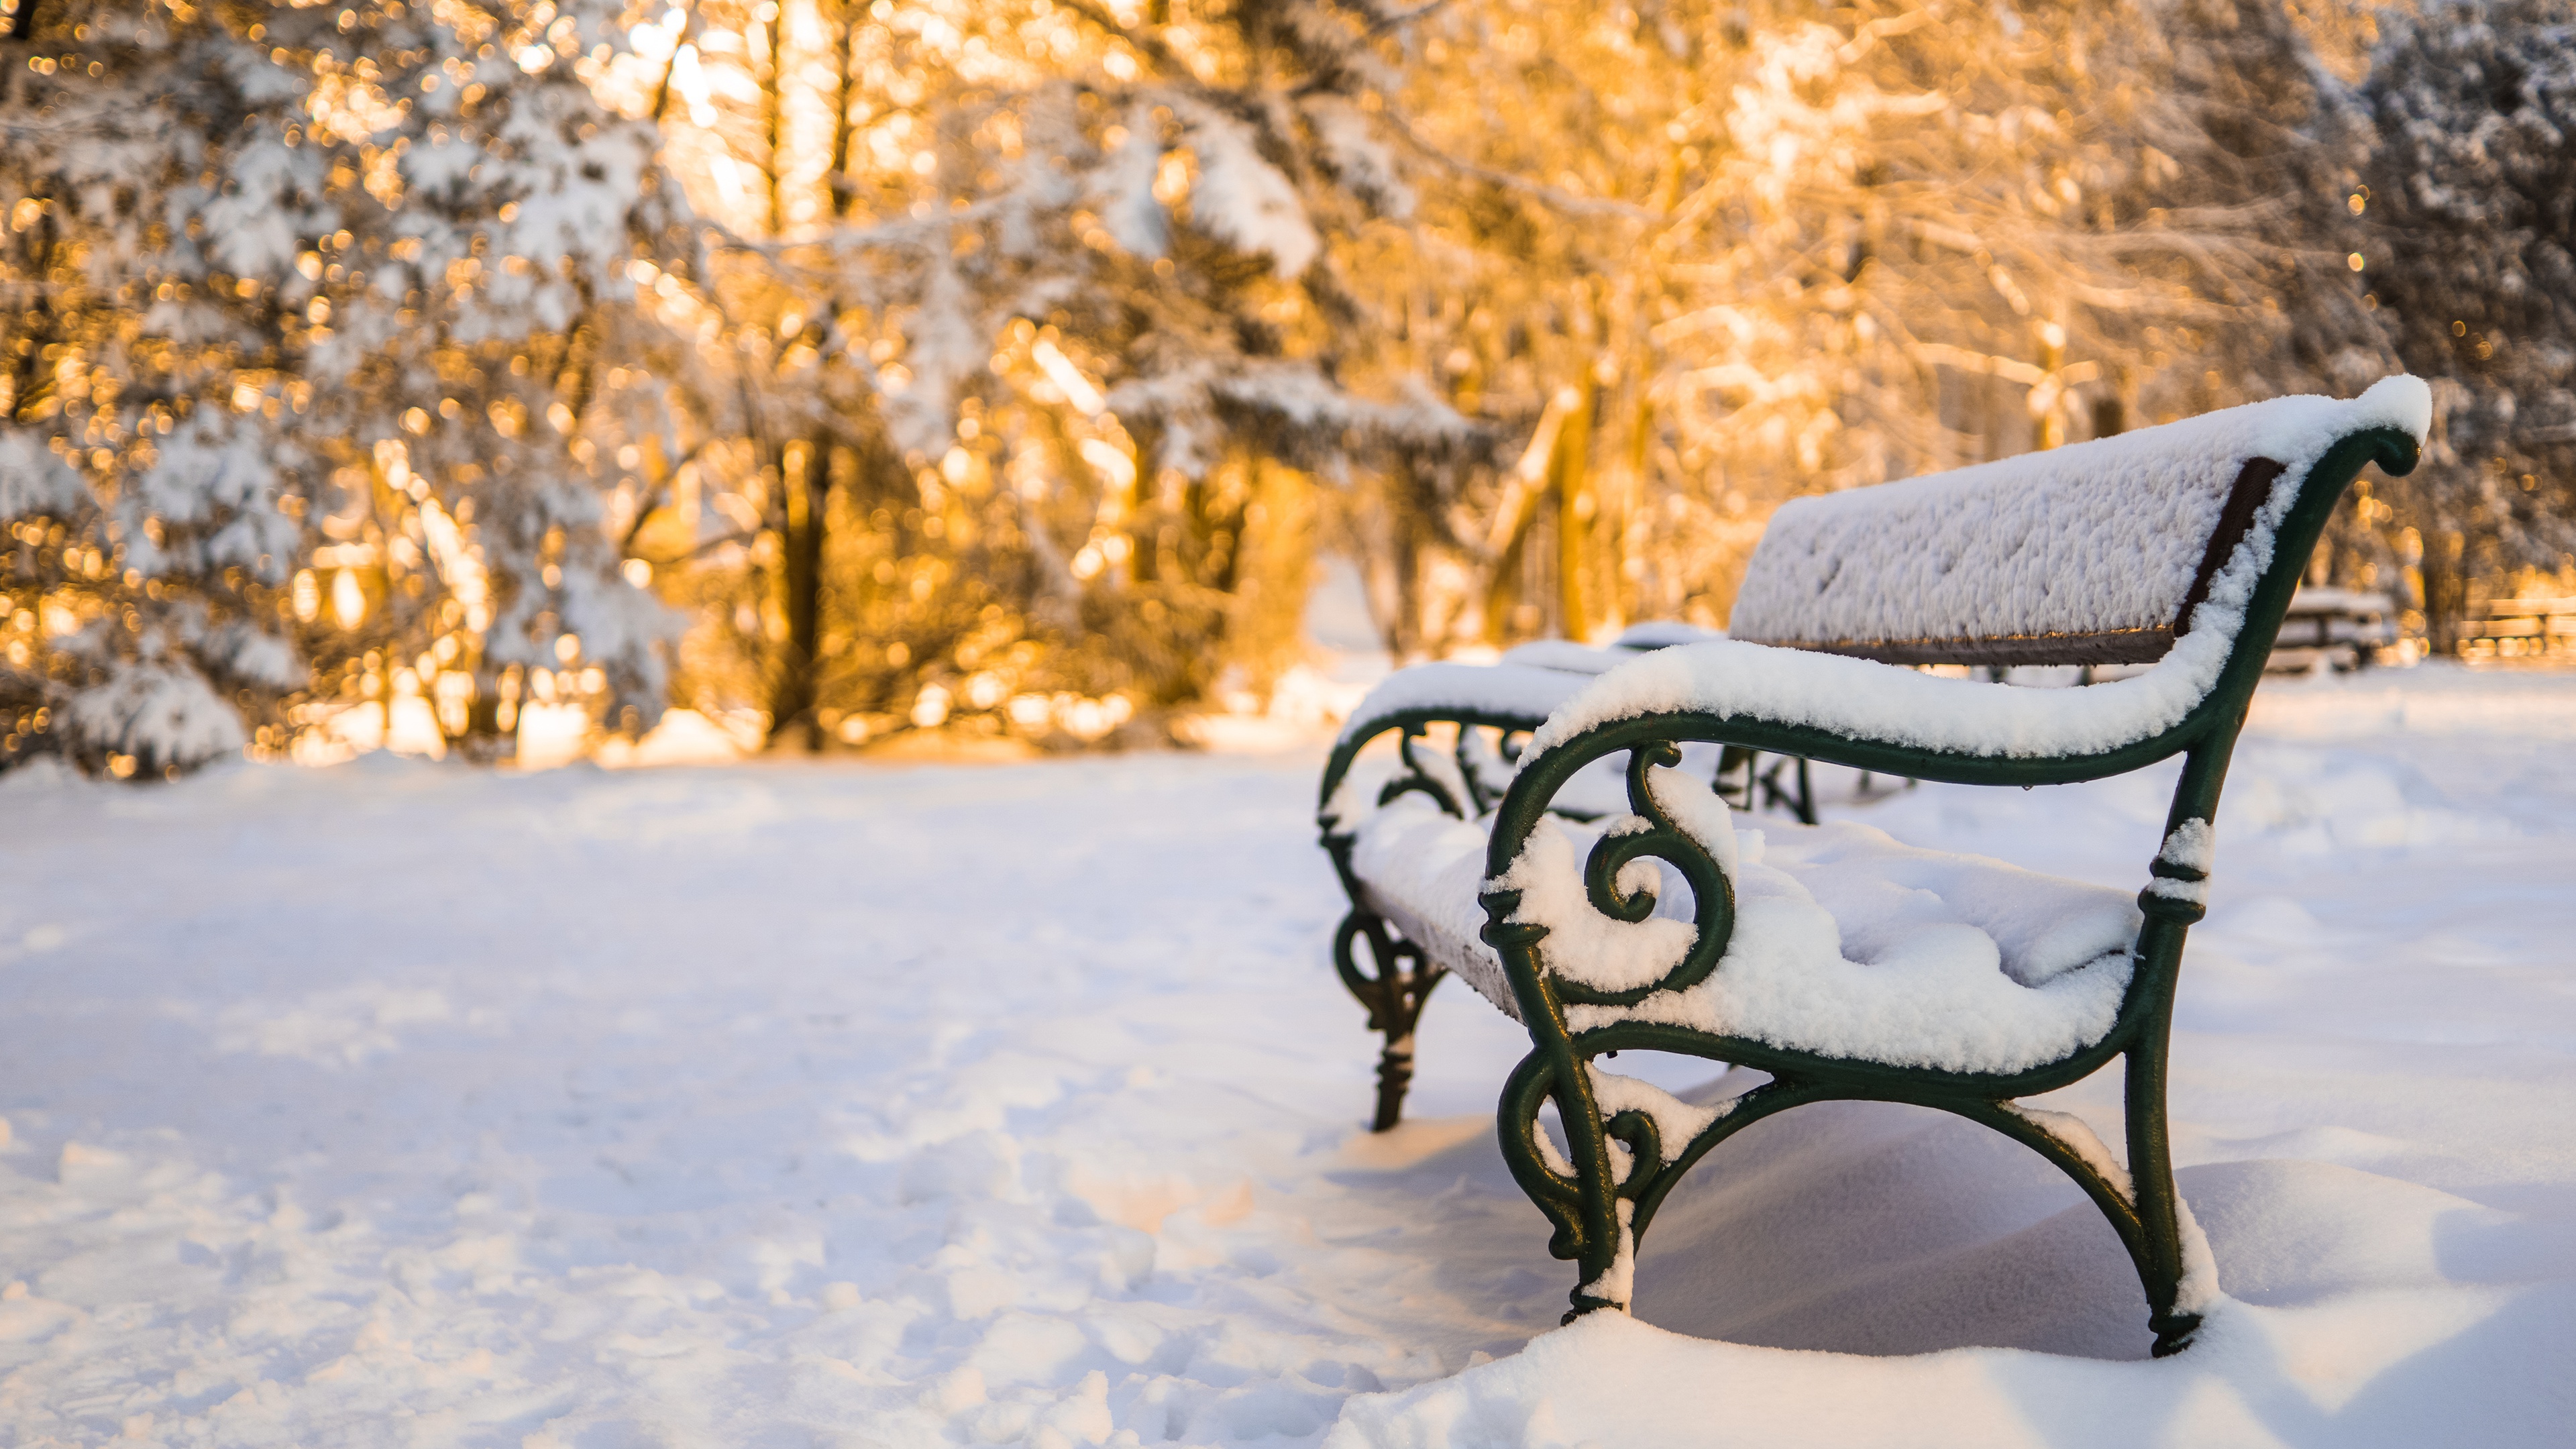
(2253, 485)
(2119, 646)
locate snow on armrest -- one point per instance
(2096, 552)
(1573, 658)
(1566, 655)
(1491, 691)
(1665, 633)
(1862, 699)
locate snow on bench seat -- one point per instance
(1846, 943)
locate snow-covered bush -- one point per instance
(156, 718)
(147, 469)
(321, 356)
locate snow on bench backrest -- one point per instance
(2089, 554)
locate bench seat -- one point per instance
(1846, 942)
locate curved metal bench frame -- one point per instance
(1600, 1212)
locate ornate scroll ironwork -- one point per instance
(1420, 776)
(1393, 993)
(1648, 834)
(1398, 976)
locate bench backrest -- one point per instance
(2095, 553)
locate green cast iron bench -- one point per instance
(1591, 886)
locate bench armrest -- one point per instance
(1520, 695)
(1879, 714)
(1509, 697)
(1857, 712)
(1822, 706)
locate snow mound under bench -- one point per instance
(1846, 942)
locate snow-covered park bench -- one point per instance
(1840, 962)
(2341, 629)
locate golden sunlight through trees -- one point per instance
(434, 372)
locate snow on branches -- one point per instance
(292, 293)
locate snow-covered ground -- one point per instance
(398, 1103)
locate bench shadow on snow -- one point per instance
(1878, 1229)
(1853, 1227)
(1874, 1228)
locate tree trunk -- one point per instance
(803, 519)
(1575, 506)
(1518, 510)
(1144, 505)
(32, 379)
(2446, 590)
(484, 741)
(806, 505)
(845, 94)
(772, 39)
(1403, 631)
(2110, 415)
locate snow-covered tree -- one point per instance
(150, 480)
(1045, 305)
(1005, 363)
(2470, 201)
(2266, 143)
(315, 321)
(1710, 257)
(498, 385)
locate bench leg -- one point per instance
(1799, 801)
(1603, 1188)
(1734, 780)
(1394, 1079)
(2165, 1261)
(1601, 1192)
(1576, 1188)
(1393, 993)
(1745, 784)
